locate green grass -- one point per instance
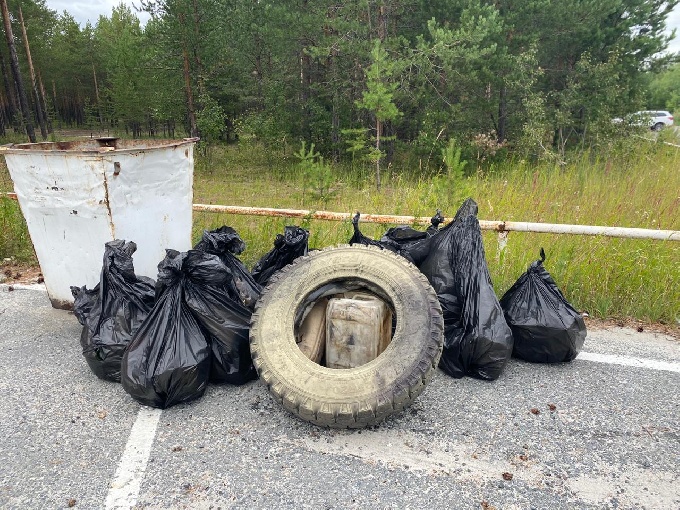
(14, 239)
(609, 278)
(604, 276)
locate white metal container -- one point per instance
(78, 195)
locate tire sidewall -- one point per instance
(404, 366)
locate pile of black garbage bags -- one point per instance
(166, 340)
(533, 321)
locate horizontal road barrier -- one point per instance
(497, 226)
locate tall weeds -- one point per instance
(603, 276)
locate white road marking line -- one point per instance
(629, 361)
(24, 286)
(124, 489)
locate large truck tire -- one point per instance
(361, 396)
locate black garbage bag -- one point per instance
(226, 244)
(293, 243)
(112, 311)
(435, 221)
(84, 301)
(545, 326)
(359, 238)
(168, 361)
(423, 252)
(396, 239)
(226, 320)
(477, 340)
(403, 236)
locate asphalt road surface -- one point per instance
(604, 433)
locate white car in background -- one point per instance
(654, 119)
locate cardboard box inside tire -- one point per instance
(361, 396)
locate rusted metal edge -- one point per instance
(498, 226)
(26, 147)
(305, 214)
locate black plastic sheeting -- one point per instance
(198, 330)
(397, 239)
(168, 361)
(477, 340)
(226, 244)
(545, 326)
(293, 243)
(404, 235)
(224, 307)
(84, 301)
(359, 238)
(226, 320)
(112, 311)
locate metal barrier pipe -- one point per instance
(588, 230)
(498, 226)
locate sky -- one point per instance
(84, 11)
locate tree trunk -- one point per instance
(55, 105)
(378, 132)
(388, 141)
(193, 129)
(382, 21)
(44, 102)
(39, 110)
(197, 56)
(96, 95)
(305, 80)
(191, 107)
(14, 61)
(335, 128)
(78, 109)
(259, 72)
(502, 114)
(3, 120)
(10, 89)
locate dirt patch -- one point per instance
(15, 272)
(634, 324)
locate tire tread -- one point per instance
(360, 414)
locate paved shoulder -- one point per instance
(587, 434)
(63, 430)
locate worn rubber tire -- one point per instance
(361, 396)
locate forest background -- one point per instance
(534, 77)
(410, 105)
